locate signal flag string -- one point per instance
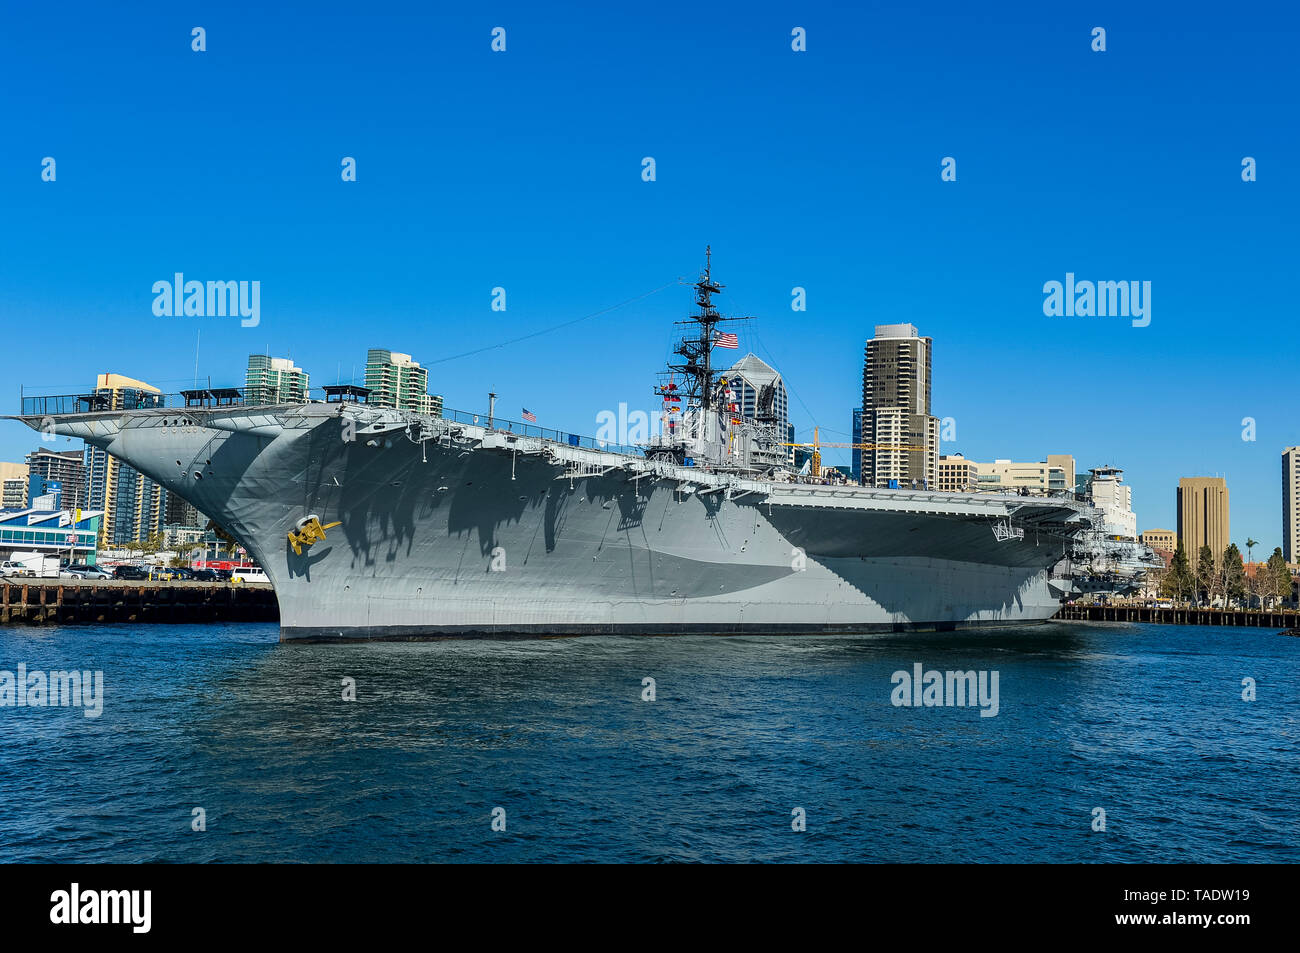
(555, 327)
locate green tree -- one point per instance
(146, 545)
(1252, 581)
(1153, 583)
(185, 554)
(1277, 577)
(1233, 575)
(1178, 582)
(1206, 582)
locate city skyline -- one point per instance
(1054, 461)
(457, 196)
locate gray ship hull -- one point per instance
(456, 531)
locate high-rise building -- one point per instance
(66, 467)
(181, 512)
(957, 474)
(856, 430)
(13, 486)
(1165, 540)
(1291, 504)
(1203, 516)
(134, 506)
(11, 471)
(13, 493)
(397, 381)
(274, 380)
(748, 379)
(900, 437)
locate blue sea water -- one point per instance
(1146, 722)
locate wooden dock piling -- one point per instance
(1260, 618)
(68, 602)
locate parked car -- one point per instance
(162, 574)
(132, 573)
(223, 575)
(204, 575)
(82, 571)
(183, 572)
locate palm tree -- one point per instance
(1250, 545)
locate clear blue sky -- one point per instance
(817, 169)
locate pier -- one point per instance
(1260, 618)
(67, 602)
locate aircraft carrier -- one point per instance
(375, 523)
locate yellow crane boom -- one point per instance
(817, 445)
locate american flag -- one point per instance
(722, 339)
(529, 415)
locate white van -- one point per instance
(248, 574)
(41, 565)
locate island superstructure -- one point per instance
(382, 523)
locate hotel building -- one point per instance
(900, 437)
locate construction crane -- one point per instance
(816, 444)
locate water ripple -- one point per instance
(1145, 722)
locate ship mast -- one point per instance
(697, 371)
(707, 319)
